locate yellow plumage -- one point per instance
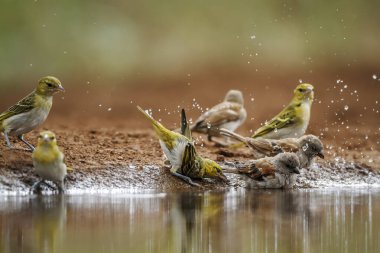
(48, 161)
(181, 153)
(31, 111)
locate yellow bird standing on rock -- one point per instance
(229, 114)
(293, 120)
(31, 111)
(180, 151)
(48, 161)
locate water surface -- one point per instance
(232, 221)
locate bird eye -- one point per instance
(52, 138)
(49, 85)
(302, 90)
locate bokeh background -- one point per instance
(111, 55)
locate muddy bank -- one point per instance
(105, 159)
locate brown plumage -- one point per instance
(229, 114)
(307, 147)
(270, 172)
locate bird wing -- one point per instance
(64, 160)
(188, 160)
(284, 119)
(219, 114)
(24, 105)
(263, 146)
(260, 169)
(288, 144)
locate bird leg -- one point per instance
(185, 178)
(60, 186)
(30, 146)
(36, 185)
(7, 140)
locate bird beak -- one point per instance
(46, 138)
(309, 90)
(60, 88)
(321, 155)
(222, 177)
(297, 170)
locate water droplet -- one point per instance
(253, 37)
(374, 77)
(346, 107)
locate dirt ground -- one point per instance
(104, 136)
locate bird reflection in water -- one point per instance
(36, 225)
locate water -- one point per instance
(233, 221)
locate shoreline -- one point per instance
(154, 178)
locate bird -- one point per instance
(179, 149)
(31, 111)
(306, 147)
(293, 120)
(229, 114)
(49, 161)
(270, 172)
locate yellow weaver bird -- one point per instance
(180, 151)
(293, 120)
(229, 114)
(31, 111)
(48, 161)
(306, 147)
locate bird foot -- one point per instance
(186, 179)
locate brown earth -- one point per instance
(102, 134)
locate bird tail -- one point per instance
(231, 134)
(241, 139)
(154, 122)
(158, 127)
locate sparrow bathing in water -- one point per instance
(30, 112)
(229, 114)
(293, 120)
(48, 161)
(270, 172)
(306, 147)
(180, 151)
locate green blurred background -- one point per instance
(118, 40)
(111, 55)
